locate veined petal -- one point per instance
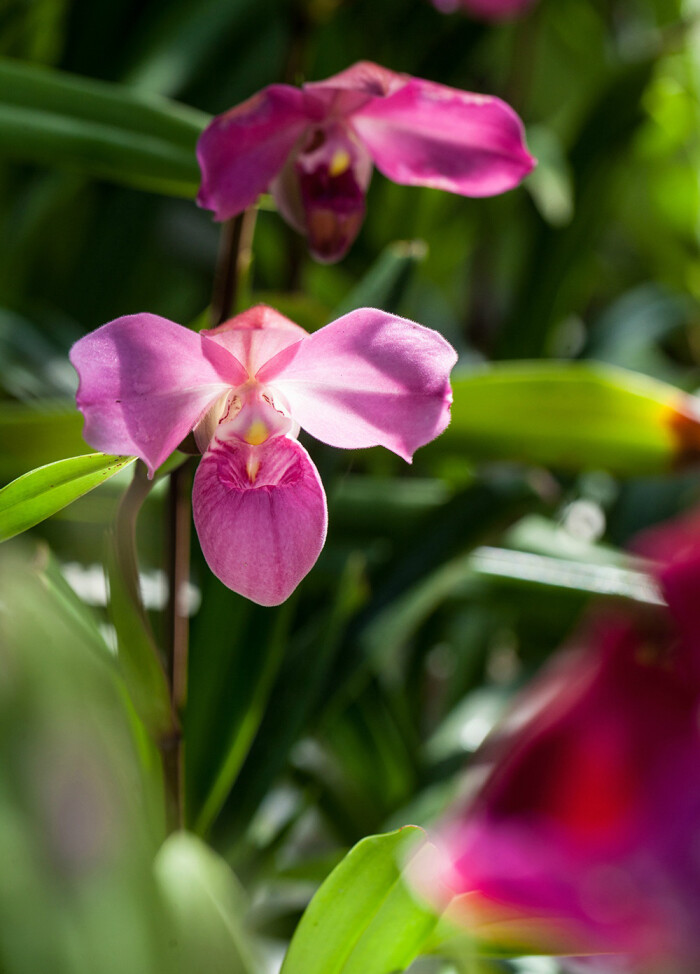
(260, 513)
(426, 134)
(256, 335)
(367, 379)
(145, 382)
(242, 150)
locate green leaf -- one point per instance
(41, 492)
(106, 130)
(296, 691)
(385, 282)
(205, 905)
(601, 148)
(243, 733)
(572, 415)
(363, 919)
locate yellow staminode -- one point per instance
(257, 433)
(339, 163)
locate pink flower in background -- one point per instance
(584, 835)
(245, 388)
(486, 9)
(314, 148)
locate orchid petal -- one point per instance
(589, 799)
(241, 151)
(260, 513)
(352, 88)
(367, 379)
(145, 382)
(256, 335)
(426, 134)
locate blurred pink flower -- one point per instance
(486, 9)
(245, 388)
(584, 835)
(314, 147)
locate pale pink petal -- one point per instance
(145, 382)
(256, 335)
(260, 513)
(367, 379)
(426, 134)
(242, 150)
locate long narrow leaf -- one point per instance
(40, 493)
(101, 129)
(574, 415)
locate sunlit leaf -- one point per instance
(40, 493)
(363, 919)
(106, 130)
(574, 416)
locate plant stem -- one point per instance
(168, 735)
(233, 264)
(235, 254)
(125, 534)
(177, 634)
(177, 626)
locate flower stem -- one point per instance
(177, 626)
(125, 535)
(232, 268)
(235, 255)
(166, 731)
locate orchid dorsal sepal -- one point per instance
(245, 389)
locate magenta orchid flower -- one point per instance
(487, 9)
(584, 836)
(245, 388)
(314, 147)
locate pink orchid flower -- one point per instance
(245, 388)
(486, 9)
(314, 147)
(584, 834)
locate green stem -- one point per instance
(177, 627)
(125, 536)
(235, 255)
(232, 268)
(168, 736)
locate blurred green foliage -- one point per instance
(353, 708)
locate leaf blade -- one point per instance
(572, 415)
(363, 918)
(38, 494)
